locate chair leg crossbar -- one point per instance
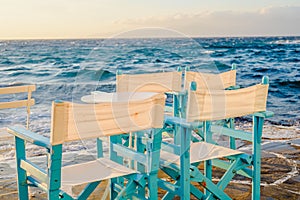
(196, 176)
(236, 164)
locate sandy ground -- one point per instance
(280, 168)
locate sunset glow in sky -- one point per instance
(36, 19)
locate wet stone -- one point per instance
(279, 172)
(278, 147)
(295, 142)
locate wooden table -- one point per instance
(101, 97)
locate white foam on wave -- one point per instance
(285, 42)
(275, 132)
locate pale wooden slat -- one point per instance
(19, 103)
(16, 104)
(100, 169)
(208, 152)
(17, 89)
(152, 82)
(207, 81)
(34, 170)
(220, 104)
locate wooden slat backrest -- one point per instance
(153, 82)
(17, 89)
(71, 121)
(207, 81)
(18, 103)
(209, 105)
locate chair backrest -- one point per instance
(153, 82)
(206, 81)
(206, 105)
(18, 103)
(71, 121)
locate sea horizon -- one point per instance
(142, 37)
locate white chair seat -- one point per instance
(201, 151)
(97, 170)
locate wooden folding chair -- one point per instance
(180, 161)
(160, 82)
(74, 122)
(18, 103)
(209, 81)
(169, 83)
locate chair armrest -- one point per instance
(181, 122)
(265, 114)
(29, 136)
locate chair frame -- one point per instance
(179, 110)
(238, 164)
(49, 180)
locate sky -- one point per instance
(54, 19)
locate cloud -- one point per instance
(267, 21)
(80, 19)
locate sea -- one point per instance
(70, 69)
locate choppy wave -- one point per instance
(69, 69)
(286, 41)
(290, 83)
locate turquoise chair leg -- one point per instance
(22, 178)
(153, 149)
(53, 195)
(141, 168)
(152, 186)
(207, 173)
(208, 163)
(185, 138)
(54, 172)
(176, 113)
(256, 151)
(232, 142)
(117, 139)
